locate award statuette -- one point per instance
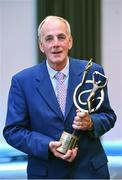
(98, 82)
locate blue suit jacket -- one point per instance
(34, 119)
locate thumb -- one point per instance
(54, 144)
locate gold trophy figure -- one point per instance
(69, 141)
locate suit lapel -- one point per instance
(45, 89)
(75, 77)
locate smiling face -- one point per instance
(55, 42)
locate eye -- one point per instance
(48, 38)
(62, 37)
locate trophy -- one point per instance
(98, 82)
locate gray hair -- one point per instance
(56, 17)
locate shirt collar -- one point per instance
(52, 72)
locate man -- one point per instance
(35, 119)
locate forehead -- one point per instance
(53, 27)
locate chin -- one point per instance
(57, 61)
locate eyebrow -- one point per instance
(60, 34)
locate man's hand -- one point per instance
(69, 156)
(82, 121)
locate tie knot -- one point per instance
(60, 76)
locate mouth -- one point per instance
(56, 52)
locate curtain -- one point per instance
(84, 18)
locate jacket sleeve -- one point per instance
(104, 118)
(17, 130)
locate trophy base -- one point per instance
(69, 141)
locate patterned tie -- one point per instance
(61, 90)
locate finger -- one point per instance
(77, 118)
(73, 155)
(78, 123)
(82, 114)
(77, 127)
(54, 144)
(67, 155)
(78, 110)
(80, 126)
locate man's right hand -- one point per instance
(69, 156)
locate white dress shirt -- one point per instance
(52, 73)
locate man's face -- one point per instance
(55, 42)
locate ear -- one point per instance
(41, 46)
(70, 42)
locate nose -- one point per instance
(55, 42)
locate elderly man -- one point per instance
(37, 116)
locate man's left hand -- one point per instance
(82, 121)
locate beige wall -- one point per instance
(17, 44)
(112, 59)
